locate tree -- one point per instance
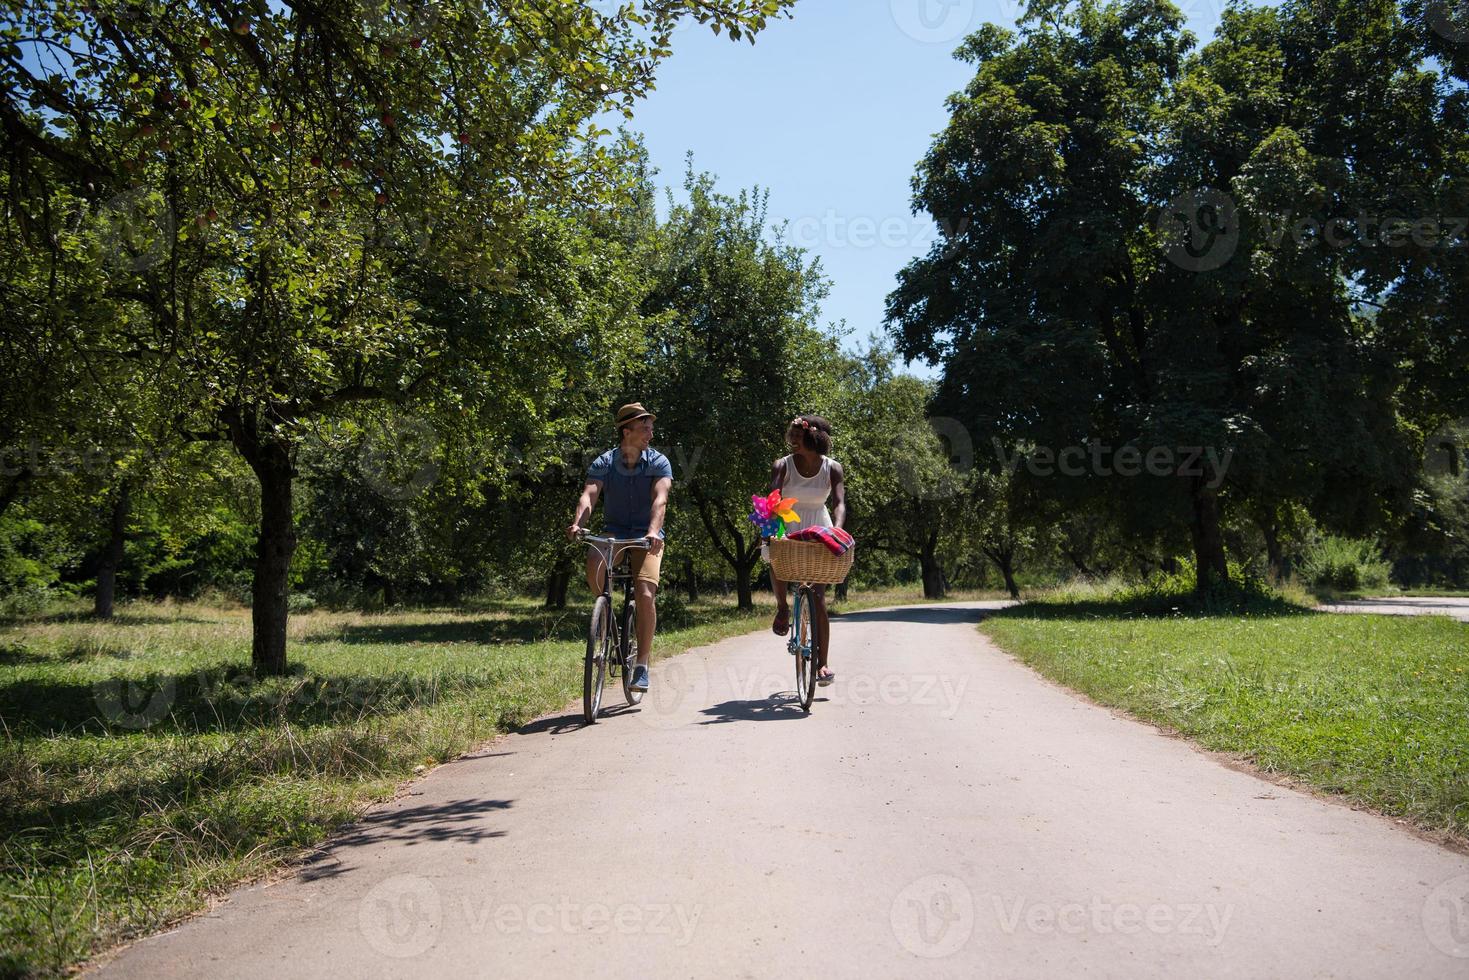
(304, 176)
(733, 356)
(1111, 274)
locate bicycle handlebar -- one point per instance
(589, 538)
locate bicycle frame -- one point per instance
(610, 654)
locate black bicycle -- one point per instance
(612, 642)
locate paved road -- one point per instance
(1457, 607)
(944, 811)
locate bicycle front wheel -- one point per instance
(594, 672)
(805, 652)
(629, 643)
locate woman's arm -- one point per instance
(777, 475)
(838, 495)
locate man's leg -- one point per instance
(646, 571)
(645, 597)
(596, 571)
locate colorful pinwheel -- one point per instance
(772, 513)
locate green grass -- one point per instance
(1375, 708)
(142, 767)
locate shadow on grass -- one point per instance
(1162, 606)
(512, 625)
(214, 699)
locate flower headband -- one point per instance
(801, 422)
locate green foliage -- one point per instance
(1344, 565)
(1066, 306)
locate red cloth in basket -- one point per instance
(837, 541)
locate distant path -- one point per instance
(1457, 607)
(943, 811)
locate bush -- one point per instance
(1344, 565)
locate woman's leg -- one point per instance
(782, 623)
(822, 623)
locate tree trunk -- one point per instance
(557, 583)
(933, 575)
(269, 456)
(1208, 539)
(690, 580)
(742, 584)
(1272, 550)
(112, 554)
(12, 489)
(1006, 562)
(390, 594)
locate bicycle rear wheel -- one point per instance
(805, 653)
(629, 643)
(594, 671)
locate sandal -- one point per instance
(782, 624)
(824, 680)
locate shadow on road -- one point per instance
(939, 615)
(457, 820)
(777, 707)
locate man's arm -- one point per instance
(661, 487)
(589, 496)
(838, 495)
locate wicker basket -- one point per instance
(808, 561)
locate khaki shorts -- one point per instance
(646, 567)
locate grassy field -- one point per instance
(143, 768)
(1375, 708)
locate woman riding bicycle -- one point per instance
(810, 476)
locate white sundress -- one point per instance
(810, 494)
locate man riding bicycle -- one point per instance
(632, 481)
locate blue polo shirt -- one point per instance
(627, 493)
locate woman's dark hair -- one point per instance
(815, 432)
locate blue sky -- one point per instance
(831, 111)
